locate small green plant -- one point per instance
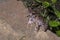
(54, 1)
(57, 14)
(46, 4)
(47, 10)
(58, 32)
(54, 23)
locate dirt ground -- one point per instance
(13, 23)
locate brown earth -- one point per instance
(13, 23)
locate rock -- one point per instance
(42, 36)
(7, 33)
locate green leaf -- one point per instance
(46, 4)
(53, 23)
(54, 1)
(58, 33)
(59, 22)
(57, 13)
